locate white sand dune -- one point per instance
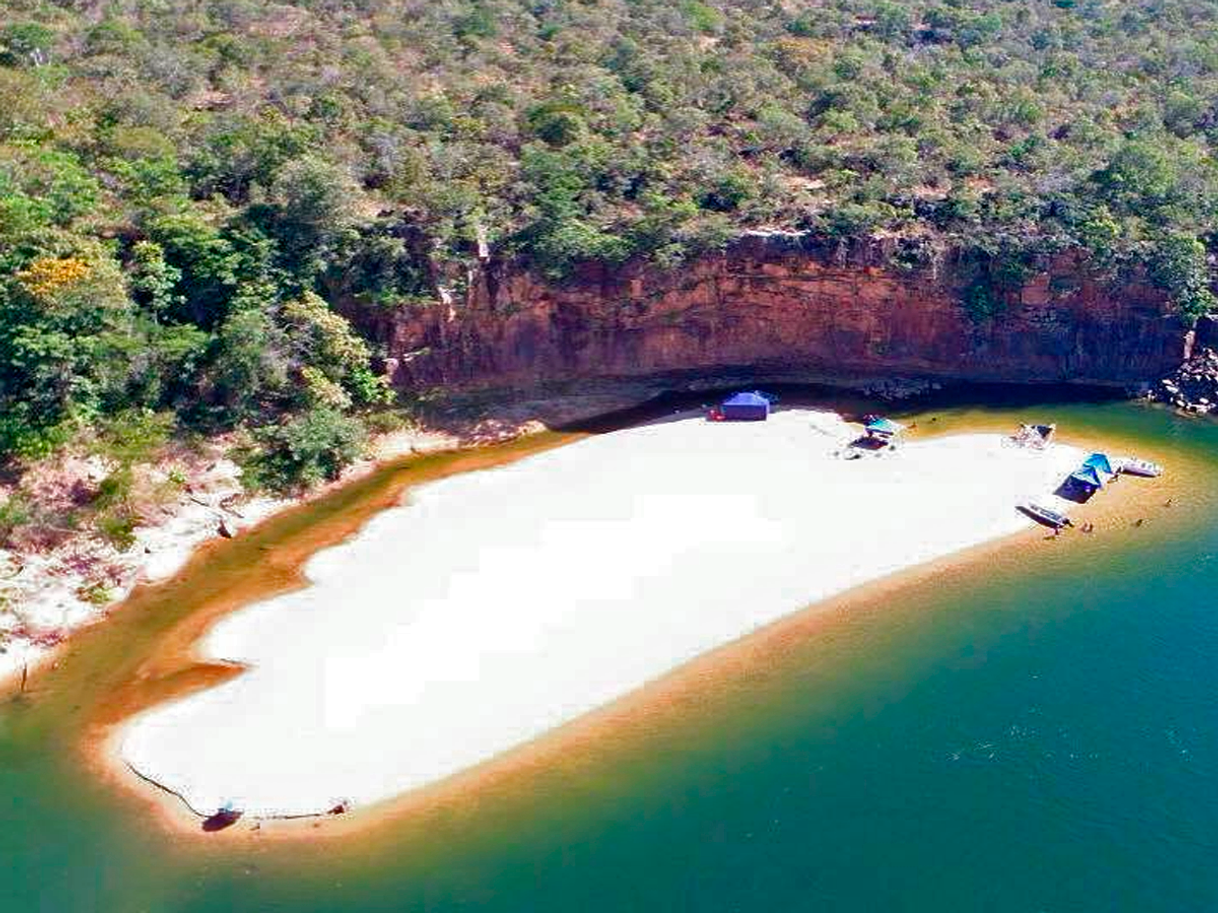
(499, 604)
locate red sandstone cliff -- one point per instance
(783, 306)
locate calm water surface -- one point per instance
(1034, 732)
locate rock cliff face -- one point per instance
(779, 305)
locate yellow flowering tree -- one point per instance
(64, 324)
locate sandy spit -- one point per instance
(498, 605)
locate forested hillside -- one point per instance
(185, 185)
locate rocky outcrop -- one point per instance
(1193, 386)
(780, 306)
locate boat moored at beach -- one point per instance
(225, 816)
(1046, 516)
(1137, 467)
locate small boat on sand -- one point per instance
(225, 816)
(1046, 516)
(1135, 467)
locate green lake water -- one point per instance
(1037, 731)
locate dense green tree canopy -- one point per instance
(177, 181)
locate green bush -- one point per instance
(23, 438)
(385, 421)
(303, 450)
(981, 301)
(114, 491)
(1180, 266)
(117, 528)
(134, 435)
(25, 44)
(95, 592)
(14, 513)
(557, 122)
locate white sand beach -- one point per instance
(497, 605)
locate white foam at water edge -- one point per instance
(499, 604)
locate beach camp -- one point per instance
(746, 407)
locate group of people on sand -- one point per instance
(1089, 527)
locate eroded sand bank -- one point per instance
(497, 605)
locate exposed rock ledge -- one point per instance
(1193, 386)
(784, 306)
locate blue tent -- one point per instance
(1087, 476)
(1099, 462)
(746, 407)
(885, 427)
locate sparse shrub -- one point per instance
(14, 512)
(386, 421)
(134, 435)
(117, 528)
(94, 592)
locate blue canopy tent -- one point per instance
(1088, 477)
(1100, 462)
(746, 407)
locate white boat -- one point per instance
(1046, 516)
(1135, 467)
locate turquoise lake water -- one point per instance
(1036, 731)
